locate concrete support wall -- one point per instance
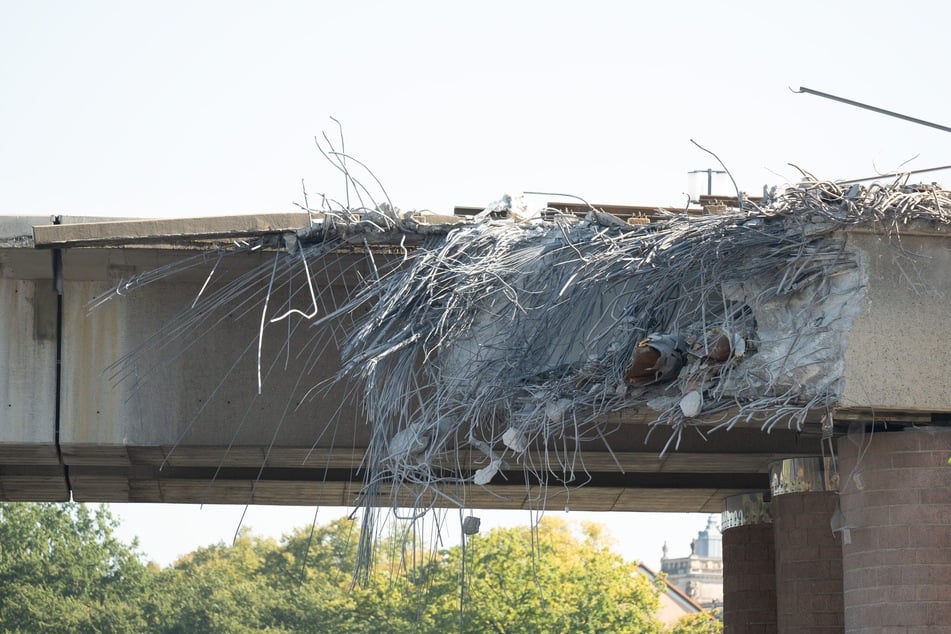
(808, 564)
(896, 501)
(749, 580)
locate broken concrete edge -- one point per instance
(177, 230)
(17, 231)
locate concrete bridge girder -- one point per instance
(173, 431)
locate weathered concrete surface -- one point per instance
(898, 355)
(198, 392)
(29, 464)
(27, 361)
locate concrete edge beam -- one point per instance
(170, 230)
(164, 230)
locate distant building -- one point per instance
(674, 604)
(700, 575)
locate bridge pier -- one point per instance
(808, 553)
(896, 503)
(749, 568)
(782, 562)
(886, 564)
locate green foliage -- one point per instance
(702, 623)
(61, 570)
(549, 580)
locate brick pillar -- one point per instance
(749, 570)
(808, 564)
(896, 502)
(808, 553)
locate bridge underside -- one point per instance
(695, 479)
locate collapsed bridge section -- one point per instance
(502, 361)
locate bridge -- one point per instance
(70, 429)
(181, 420)
(78, 433)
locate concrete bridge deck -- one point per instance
(174, 431)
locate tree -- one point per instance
(700, 623)
(259, 585)
(62, 570)
(544, 580)
(519, 580)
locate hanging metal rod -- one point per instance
(889, 113)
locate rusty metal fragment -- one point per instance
(656, 358)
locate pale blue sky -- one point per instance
(168, 531)
(172, 108)
(189, 108)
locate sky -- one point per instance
(173, 108)
(165, 532)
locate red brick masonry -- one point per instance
(897, 568)
(808, 564)
(749, 580)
